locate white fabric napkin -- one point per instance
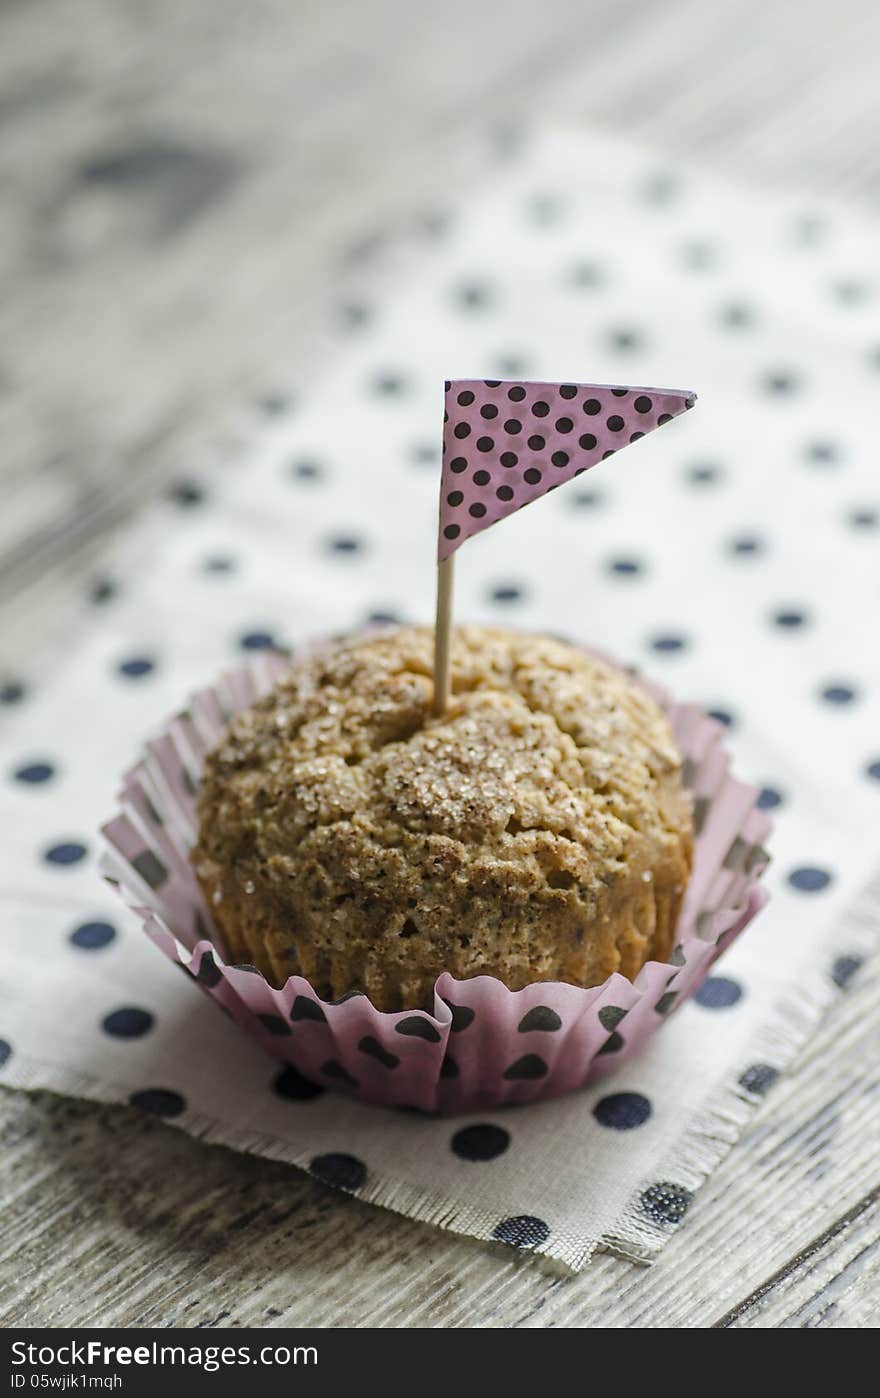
(734, 555)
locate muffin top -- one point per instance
(339, 795)
(538, 736)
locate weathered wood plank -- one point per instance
(833, 1282)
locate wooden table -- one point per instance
(166, 170)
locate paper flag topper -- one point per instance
(506, 443)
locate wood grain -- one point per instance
(164, 174)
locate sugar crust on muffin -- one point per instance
(539, 830)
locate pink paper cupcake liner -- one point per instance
(484, 1046)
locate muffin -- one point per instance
(539, 830)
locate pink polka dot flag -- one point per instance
(505, 443)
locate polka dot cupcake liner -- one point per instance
(484, 1046)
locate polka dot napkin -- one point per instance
(733, 555)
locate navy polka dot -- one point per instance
(872, 770)
(668, 643)
(274, 1025)
(541, 1018)
(780, 383)
(102, 590)
(789, 618)
(305, 468)
(68, 852)
(769, 798)
(544, 209)
(219, 564)
(304, 1007)
(809, 879)
(11, 692)
(384, 618)
(186, 493)
(512, 366)
(722, 716)
(703, 473)
(435, 222)
(373, 1049)
(341, 1171)
(745, 545)
(159, 1101)
(838, 694)
(353, 315)
(665, 1202)
(624, 340)
(863, 519)
(136, 667)
(293, 1087)
(506, 593)
(699, 254)
(91, 936)
(34, 773)
(272, 404)
(821, 453)
(661, 189)
(480, 1142)
(339, 1073)
(389, 385)
(586, 274)
(759, 1078)
(529, 1066)
(258, 640)
(850, 292)
(462, 1016)
(844, 968)
(736, 316)
(625, 567)
(622, 1111)
(718, 993)
(809, 229)
(473, 296)
(522, 1231)
(424, 453)
(209, 972)
(344, 544)
(417, 1027)
(127, 1023)
(586, 499)
(5, 1051)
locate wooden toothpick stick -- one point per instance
(442, 630)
